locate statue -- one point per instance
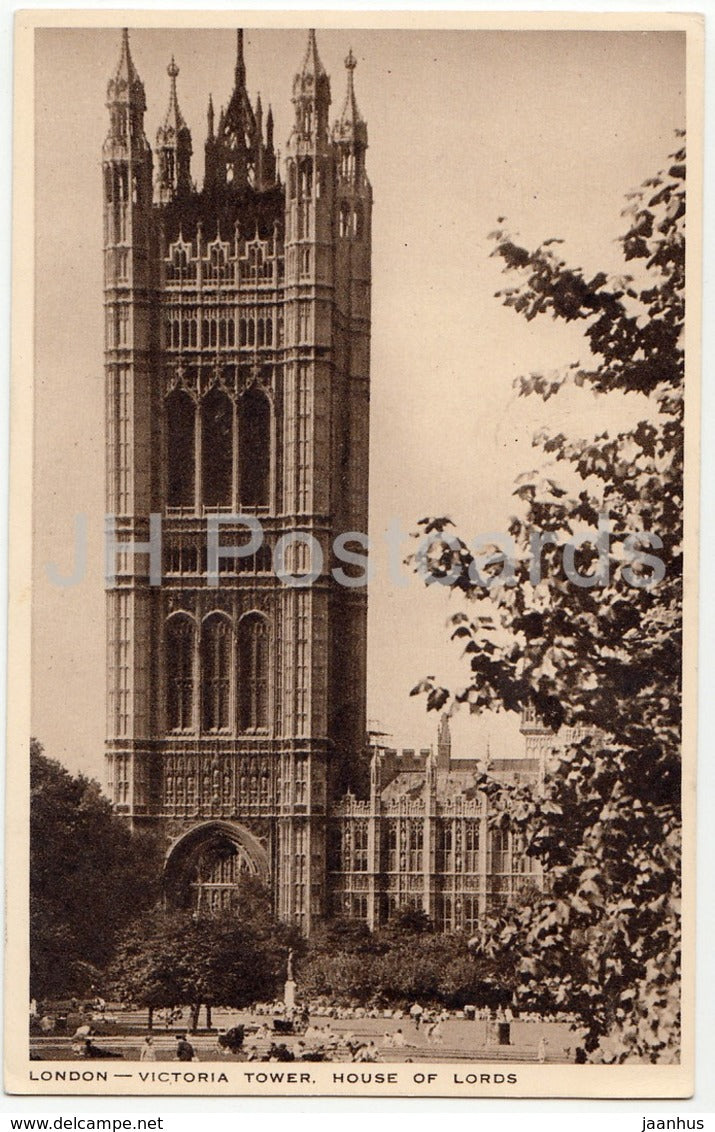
(289, 989)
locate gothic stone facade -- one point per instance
(237, 383)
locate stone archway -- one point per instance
(204, 866)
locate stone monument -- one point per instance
(289, 989)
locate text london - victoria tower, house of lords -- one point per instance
(237, 384)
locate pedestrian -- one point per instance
(147, 1052)
(184, 1049)
(541, 1050)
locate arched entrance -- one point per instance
(203, 867)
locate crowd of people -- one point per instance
(261, 1032)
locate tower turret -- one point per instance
(173, 147)
(444, 743)
(210, 119)
(232, 157)
(126, 103)
(311, 96)
(260, 152)
(269, 157)
(130, 328)
(350, 131)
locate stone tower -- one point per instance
(237, 367)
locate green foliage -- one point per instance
(406, 961)
(231, 959)
(89, 877)
(606, 657)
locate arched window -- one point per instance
(215, 673)
(180, 638)
(180, 415)
(215, 874)
(253, 673)
(346, 219)
(306, 177)
(254, 446)
(216, 448)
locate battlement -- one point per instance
(405, 761)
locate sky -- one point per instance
(547, 129)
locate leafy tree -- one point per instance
(90, 875)
(230, 959)
(402, 962)
(410, 920)
(601, 653)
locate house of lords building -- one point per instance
(237, 384)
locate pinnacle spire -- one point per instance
(125, 67)
(312, 64)
(350, 127)
(240, 62)
(311, 94)
(173, 142)
(269, 128)
(126, 86)
(174, 119)
(350, 114)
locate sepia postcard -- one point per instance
(353, 612)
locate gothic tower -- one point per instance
(237, 363)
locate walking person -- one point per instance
(147, 1052)
(184, 1049)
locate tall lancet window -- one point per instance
(215, 673)
(216, 449)
(254, 440)
(180, 640)
(180, 416)
(253, 673)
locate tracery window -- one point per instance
(215, 673)
(253, 673)
(471, 846)
(470, 906)
(216, 448)
(345, 219)
(415, 847)
(215, 874)
(392, 847)
(254, 425)
(444, 847)
(180, 414)
(360, 855)
(180, 640)
(500, 848)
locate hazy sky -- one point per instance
(547, 129)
